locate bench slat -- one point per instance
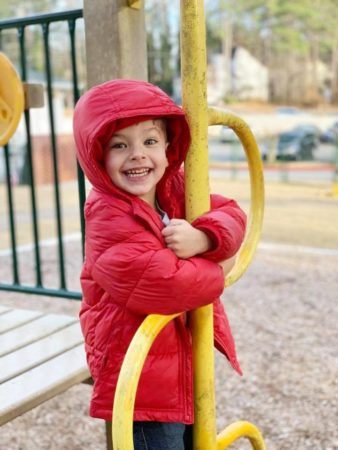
(30, 389)
(32, 331)
(17, 317)
(32, 355)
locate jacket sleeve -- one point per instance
(225, 225)
(150, 280)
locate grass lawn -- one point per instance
(294, 214)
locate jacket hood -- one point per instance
(98, 111)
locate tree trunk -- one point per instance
(227, 54)
(334, 66)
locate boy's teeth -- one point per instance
(137, 172)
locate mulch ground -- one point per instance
(284, 317)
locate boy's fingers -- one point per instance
(172, 247)
(174, 222)
(167, 231)
(172, 239)
(171, 231)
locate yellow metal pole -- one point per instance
(193, 64)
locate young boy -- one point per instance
(142, 257)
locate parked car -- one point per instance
(298, 144)
(311, 129)
(287, 110)
(331, 134)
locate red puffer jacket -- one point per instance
(129, 273)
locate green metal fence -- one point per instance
(20, 27)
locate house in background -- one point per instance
(246, 78)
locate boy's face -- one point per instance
(135, 158)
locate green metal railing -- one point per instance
(20, 26)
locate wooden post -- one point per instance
(116, 44)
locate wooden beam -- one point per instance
(115, 40)
(33, 95)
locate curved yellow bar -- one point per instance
(255, 222)
(11, 100)
(238, 430)
(123, 409)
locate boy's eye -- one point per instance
(150, 141)
(118, 145)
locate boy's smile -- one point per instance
(135, 158)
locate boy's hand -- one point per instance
(185, 240)
(228, 264)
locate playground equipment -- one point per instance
(15, 97)
(12, 104)
(11, 100)
(193, 54)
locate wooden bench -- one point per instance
(41, 355)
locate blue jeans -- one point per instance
(162, 436)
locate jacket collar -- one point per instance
(149, 217)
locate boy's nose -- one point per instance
(137, 152)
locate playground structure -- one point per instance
(193, 58)
(199, 116)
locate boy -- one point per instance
(142, 257)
